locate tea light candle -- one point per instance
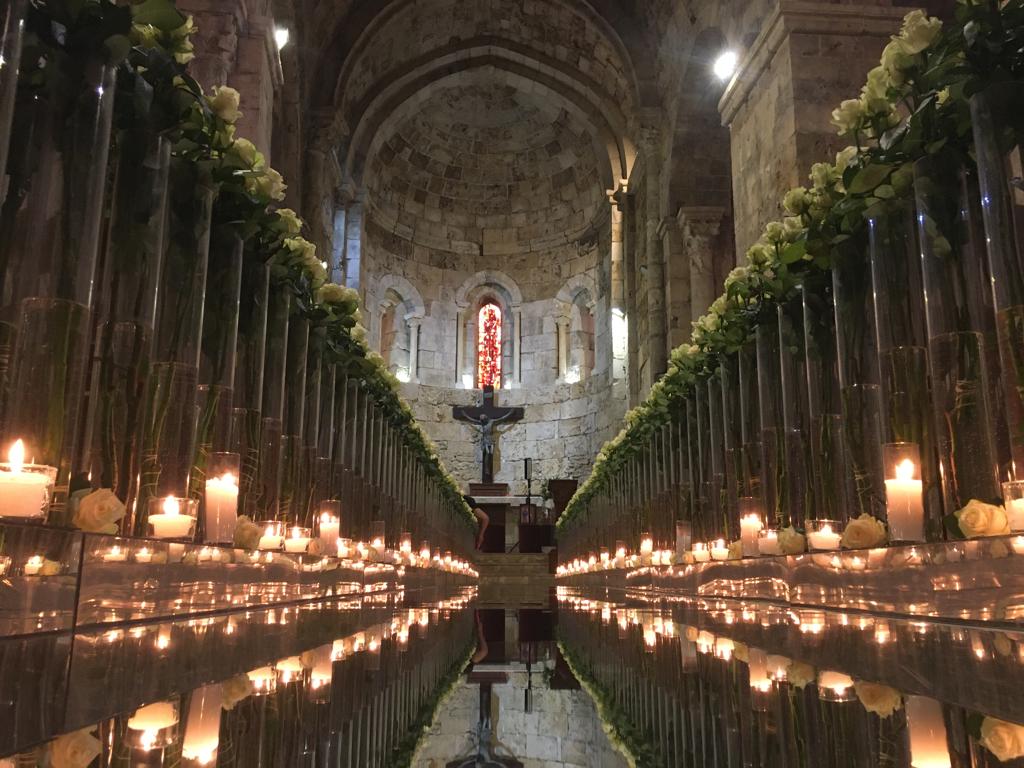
(768, 542)
(330, 530)
(620, 554)
(750, 527)
(298, 540)
(115, 555)
(221, 508)
(904, 494)
(34, 565)
(144, 556)
(719, 550)
(24, 488)
(170, 523)
(822, 537)
(273, 536)
(701, 553)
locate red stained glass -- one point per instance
(489, 347)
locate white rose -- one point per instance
(247, 151)
(864, 532)
(1002, 739)
(330, 293)
(799, 674)
(358, 333)
(736, 550)
(50, 567)
(919, 31)
(270, 184)
(843, 159)
(774, 232)
(247, 534)
(878, 699)
(290, 219)
(981, 519)
(822, 174)
(875, 93)
(791, 541)
(300, 248)
(224, 101)
(74, 750)
(759, 254)
(737, 274)
(895, 60)
(795, 201)
(235, 690)
(98, 512)
(793, 227)
(848, 116)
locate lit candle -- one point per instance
(170, 523)
(646, 548)
(221, 508)
(750, 526)
(822, 537)
(719, 550)
(34, 565)
(24, 488)
(144, 556)
(202, 729)
(701, 553)
(115, 555)
(834, 686)
(150, 721)
(298, 540)
(425, 553)
(330, 530)
(620, 554)
(768, 542)
(264, 680)
(1013, 496)
(929, 747)
(273, 536)
(904, 495)
(605, 558)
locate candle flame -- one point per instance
(327, 517)
(171, 506)
(296, 532)
(826, 529)
(905, 470)
(16, 456)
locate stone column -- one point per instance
(562, 324)
(617, 306)
(517, 349)
(625, 204)
(677, 283)
(657, 351)
(808, 57)
(699, 228)
(414, 348)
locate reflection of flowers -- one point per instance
(1002, 739)
(74, 750)
(235, 690)
(865, 531)
(736, 550)
(981, 519)
(49, 567)
(799, 674)
(791, 541)
(98, 511)
(878, 699)
(247, 533)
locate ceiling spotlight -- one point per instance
(281, 37)
(725, 65)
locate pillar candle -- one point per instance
(202, 729)
(768, 543)
(750, 527)
(221, 508)
(701, 553)
(330, 529)
(928, 741)
(904, 501)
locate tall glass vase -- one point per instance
(49, 240)
(219, 354)
(169, 431)
(997, 119)
(705, 516)
(716, 426)
(248, 387)
(292, 441)
(126, 314)
(902, 338)
(769, 384)
(732, 426)
(750, 423)
(12, 33)
(857, 363)
(961, 334)
(275, 363)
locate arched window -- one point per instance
(489, 346)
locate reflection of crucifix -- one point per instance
(486, 416)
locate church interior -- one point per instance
(523, 383)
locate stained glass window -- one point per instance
(489, 346)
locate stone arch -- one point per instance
(396, 311)
(574, 286)
(489, 279)
(576, 325)
(483, 287)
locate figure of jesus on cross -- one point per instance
(486, 416)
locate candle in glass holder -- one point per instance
(115, 555)
(25, 489)
(684, 536)
(330, 524)
(605, 557)
(33, 565)
(824, 534)
(264, 680)
(405, 546)
(719, 550)
(273, 535)
(144, 556)
(172, 517)
(220, 502)
(834, 686)
(750, 527)
(202, 728)
(646, 548)
(768, 542)
(701, 554)
(298, 539)
(377, 539)
(904, 491)
(929, 747)
(620, 554)
(153, 726)
(1013, 498)
(424, 553)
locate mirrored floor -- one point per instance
(602, 679)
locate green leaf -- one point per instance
(885, 192)
(869, 178)
(160, 13)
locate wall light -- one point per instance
(402, 374)
(725, 65)
(467, 381)
(281, 37)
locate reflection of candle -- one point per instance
(927, 727)
(151, 720)
(719, 550)
(834, 685)
(202, 729)
(768, 542)
(701, 553)
(330, 529)
(824, 538)
(24, 494)
(115, 555)
(297, 541)
(144, 556)
(750, 526)
(33, 565)
(170, 523)
(221, 507)
(904, 501)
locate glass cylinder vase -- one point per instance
(279, 307)
(797, 494)
(292, 441)
(769, 385)
(12, 35)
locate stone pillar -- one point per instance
(625, 204)
(414, 348)
(460, 346)
(517, 349)
(562, 324)
(677, 283)
(617, 314)
(699, 228)
(808, 57)
(657, 351)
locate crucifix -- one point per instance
(486, 416)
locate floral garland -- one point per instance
(914, 104)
